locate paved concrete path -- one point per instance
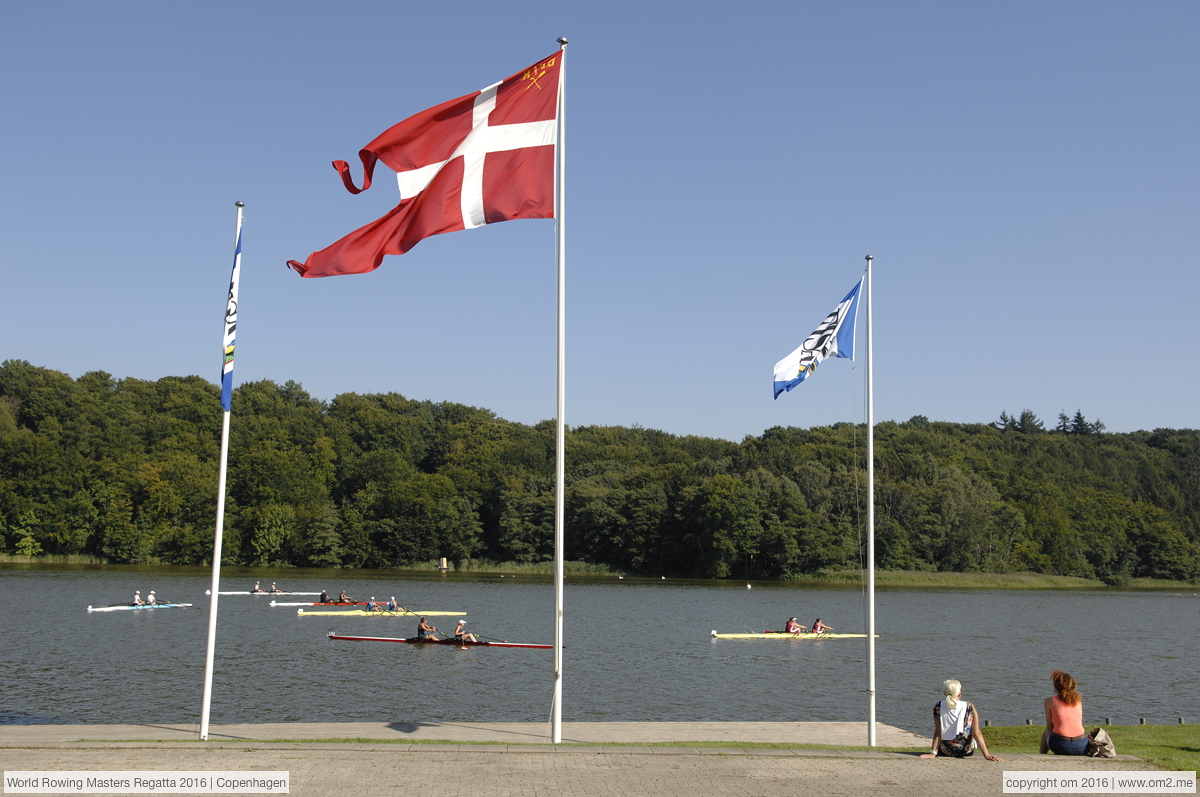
(338, 770)
(834, 733)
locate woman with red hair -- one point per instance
(1064, 734)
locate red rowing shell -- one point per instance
(414, 641)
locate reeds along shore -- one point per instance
(918, 578)
(890, 579)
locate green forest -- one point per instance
(126, 470)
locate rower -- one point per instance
(392, 606)
(324, 597)
(137, 598)
(819, 628)
(372, 607)
(794, 627)
(424, 628)
(460, 635)
(275, 589)
(256, 588)
(150, 599)
(344, 598)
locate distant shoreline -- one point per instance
(887, 579)
(918, 579)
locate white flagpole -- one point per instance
(560, 434)
(870, 517)
(216, 563)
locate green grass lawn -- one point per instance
(1167, 746)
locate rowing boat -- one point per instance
(265, 592)
(130, 607)
(309, 603)
(785, 635)
(364, 613)
(431, 641)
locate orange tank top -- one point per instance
(1066, 720)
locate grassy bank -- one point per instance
(891, 579)
(1167, 746)
(921, 579)
(55, 559)
(718, 745)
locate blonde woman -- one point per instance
(956, 726)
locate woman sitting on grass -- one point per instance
(956, 726)
(1064, 734)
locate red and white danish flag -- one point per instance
(479, 159)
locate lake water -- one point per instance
(636, 650)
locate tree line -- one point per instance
(126, 469)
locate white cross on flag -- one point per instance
(475, 160)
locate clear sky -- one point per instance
(1025, 175)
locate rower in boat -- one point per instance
(274, 588)
(344, 598)
(256, 589)
(793, 627)
(324, 597)
(392, 606)
(819, 628)
(137, 598)
(424, 629)
(372, 606)
(460, 634)
(150, 599)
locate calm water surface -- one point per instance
(636, 650)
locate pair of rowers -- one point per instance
(424, 629)
(794, 627)
(390, 606)
(341, 598)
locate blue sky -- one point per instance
(1025, 175)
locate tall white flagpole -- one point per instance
(870, 517)
(226, 388)
(560, 434)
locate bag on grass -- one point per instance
(1100, 744)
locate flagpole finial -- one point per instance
(869, 258)
(240, 204)
(562, 40)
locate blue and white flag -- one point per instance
(231, 327)
(833, 338)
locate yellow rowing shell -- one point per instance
(790, 636)
(364, 613)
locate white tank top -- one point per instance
(953, 720)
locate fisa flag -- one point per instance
(231, 327)
(833, 338)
